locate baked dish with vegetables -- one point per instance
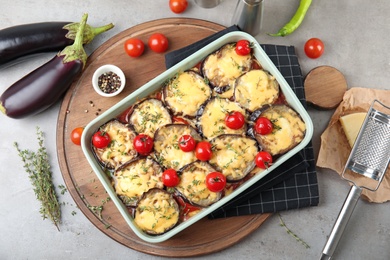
(196, 139)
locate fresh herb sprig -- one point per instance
(282, 224)
(38, 167)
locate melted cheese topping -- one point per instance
(136, 178)
(233, 155)
(289, 129)
(167, 149)
(186, 93)
(351, 125)
(193, 185)
(223, 67)
(212, 120)
(120, 149)
(255, 89)
(157, 212)
(149, 115)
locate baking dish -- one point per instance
(155, 84)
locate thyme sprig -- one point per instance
(37, 165)
(282, 224)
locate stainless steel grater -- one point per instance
(365, 167)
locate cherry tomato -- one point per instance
(215, 181)
(263, 159)
(314, 48)
(180, 120)
(75, 135)
(243, 47)
(101, 139)
(178, 6)
(170, 178)
(203, 151)
(187, 143)
(263, 126)
(134, 47)
(143, 144)
(235, 120)
(158, 42)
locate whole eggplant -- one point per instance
(42, 87)
(21, 40)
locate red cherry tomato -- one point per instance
(243, 47)
(143, 144)
(235, 120)
(101, 139)
(263, 160)
(158, 42)
(170, 178)
(178, 6)
(263, 126)
(215, 181)
(187, 143)
(75, 135)
(314, 48)
(203, 151)
(134, 47)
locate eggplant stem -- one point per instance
(89, 33)
(76, 50)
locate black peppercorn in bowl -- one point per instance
(108, 80)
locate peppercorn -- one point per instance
(109, 82)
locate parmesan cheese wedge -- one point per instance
(351, 125)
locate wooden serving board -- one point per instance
(81, 105)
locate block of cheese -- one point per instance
(351, 125)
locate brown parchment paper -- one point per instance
(334, 150)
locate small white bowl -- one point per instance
(105, 69)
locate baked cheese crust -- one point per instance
(255, 89)
(120, 150)
(135, 178)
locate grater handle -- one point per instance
(341, 222)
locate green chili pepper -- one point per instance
(296, 20)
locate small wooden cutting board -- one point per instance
(325, 87)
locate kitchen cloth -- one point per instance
(292, 185)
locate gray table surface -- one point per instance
(356, 36)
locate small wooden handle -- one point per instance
(325, 87)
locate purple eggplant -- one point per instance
(21, 40)
(42, 87)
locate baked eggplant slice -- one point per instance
(234, 155)
(135, 178)
(120, 150)
(148, 115)
(222, 67)
(193, 187)
(256, 88)
(288, 130)
(185, 93)
(156, 212)
(166, 145)
(211, 119)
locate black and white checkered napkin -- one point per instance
(292, 185)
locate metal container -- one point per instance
(208, 3)
(248, 15)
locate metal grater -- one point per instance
(369, 158)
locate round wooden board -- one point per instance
(325, 87)
(81, 105)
